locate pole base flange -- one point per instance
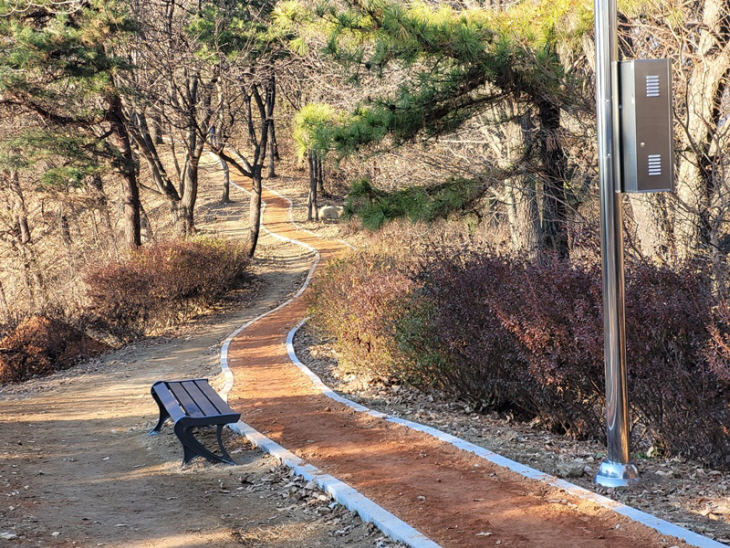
(614, 474)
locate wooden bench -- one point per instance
(193, 403)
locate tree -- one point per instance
(454, 65)
(216, 63)
(57, 64)
(262, 95)
(311, 133)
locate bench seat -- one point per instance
(193, 403)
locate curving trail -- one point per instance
(454, 497)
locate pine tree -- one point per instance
(455, 64)
(57, 64)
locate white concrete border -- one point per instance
(339, 491)
(660, 525)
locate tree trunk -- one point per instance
(31, 275)
(26, 253)
(226, 195)
(554, 168)
(654, 231)
(186, 207)
(272, 153)
(156, 131)
(320, 177)
(705, 88)
(20, 212)
(146, 226)
(255, 211)
(312, 211)
(130, 198)
(189, 184)
(146, 144)
(103, 204)
(524, 218)
(4, 308)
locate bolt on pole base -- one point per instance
(615, 474)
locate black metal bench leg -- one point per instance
(226, 457)
(192, 447)
(164, 415)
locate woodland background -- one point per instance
(461, 134)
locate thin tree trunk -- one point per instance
(320, 178)
(266, 110)
(32, 275)
(20, 212)
(98, 187)
(312, 212)
(186, 207)
(255, 212)
(189, 184)
(146, 144)
(130, 198)
(146, 226)
(226, 196)
(156, 131)
(4, 308)
(272, 153)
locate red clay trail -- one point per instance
(453, 497)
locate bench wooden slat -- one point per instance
(204, 402)
(185, 400)
(168, 400)
(212, 396)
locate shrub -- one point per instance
(41, 345)
(528, 337)
(162, 283)
(678, 375)
(356, 300)
(505, 340)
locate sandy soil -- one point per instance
(77, 467)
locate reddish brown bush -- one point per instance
(41, 345)
(162, 284)
(528, 337)
(356, 301)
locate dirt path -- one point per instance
(451, 496)
(78, 469)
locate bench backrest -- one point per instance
(195, 398)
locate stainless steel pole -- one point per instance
(616, 470)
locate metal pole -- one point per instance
(616, 470)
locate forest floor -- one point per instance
(77, 468)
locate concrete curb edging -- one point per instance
(339, 491)
(659, 525)
(342, 493)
